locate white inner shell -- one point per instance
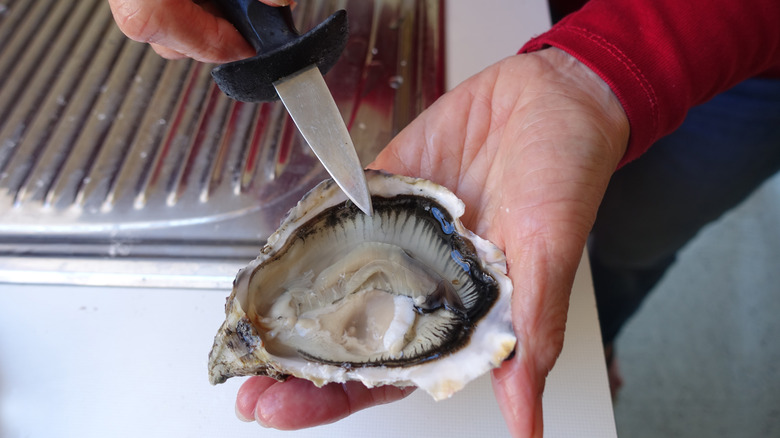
(367, 306)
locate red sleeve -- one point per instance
(662, 57)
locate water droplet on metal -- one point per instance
(396, 82)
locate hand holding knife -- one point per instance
(290, 66)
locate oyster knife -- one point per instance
(290, 66)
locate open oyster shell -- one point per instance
(406, 296)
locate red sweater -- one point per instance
(662, 57)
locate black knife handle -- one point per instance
(265, 27)
(281, 50)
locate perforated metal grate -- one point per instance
(107, 151)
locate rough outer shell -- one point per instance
(239, 348)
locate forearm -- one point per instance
(662, 57)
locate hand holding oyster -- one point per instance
(405, 297)
(529, 145)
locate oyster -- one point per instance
(406, 296)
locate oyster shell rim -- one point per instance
(441, 380)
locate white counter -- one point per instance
(97, 362)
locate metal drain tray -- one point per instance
(120, 168)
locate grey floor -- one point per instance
(702, 356)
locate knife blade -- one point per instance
(311, 106)
(290, 66)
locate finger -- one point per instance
(297, 403)
(539, 314)
(250, 391)
(181, 26)
(518, 390)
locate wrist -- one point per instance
(596, 93)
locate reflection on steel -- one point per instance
(110, 153)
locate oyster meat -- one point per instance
(406, 296)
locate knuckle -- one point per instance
(136, 19)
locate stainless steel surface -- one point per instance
(307, 98)
(112, 157)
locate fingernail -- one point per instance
(277, 2)
(241, 416)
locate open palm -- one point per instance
(529, 144)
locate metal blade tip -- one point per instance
(363, 204)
